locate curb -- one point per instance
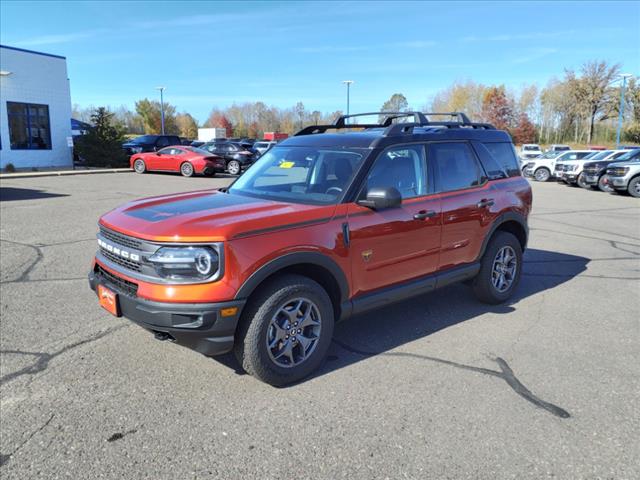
(62, 173)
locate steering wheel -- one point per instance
(338, 190)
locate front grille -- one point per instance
(121, 239)
(123, 262)
(591, 170)
(559, 168)
(123, 286)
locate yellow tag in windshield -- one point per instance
(287, 164)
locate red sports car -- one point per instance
(178, 158)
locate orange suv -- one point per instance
(323, 226)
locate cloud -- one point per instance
(54, 39)
(362, 48)
(535, 54)
(506, 37)
(331, 49)
(415, 44)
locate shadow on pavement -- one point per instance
(381, 331)
(8, 194)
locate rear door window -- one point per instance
(456, 166)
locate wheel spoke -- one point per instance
(286, 351)
(307, 320)
(304, 343)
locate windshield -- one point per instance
(550, 155)
(531, 147)
(315, 175)
(599, 155)
(632, 155)
(145, 139)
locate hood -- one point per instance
(209, 216)
(628, 163)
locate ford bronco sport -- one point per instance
(321, 227)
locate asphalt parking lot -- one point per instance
(547, 386)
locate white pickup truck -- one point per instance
(529, 150)
(542, 168)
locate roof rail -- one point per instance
(461, 116)
(420, 120)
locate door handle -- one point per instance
(485, 202)
(424, 214)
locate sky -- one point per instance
(211, 54)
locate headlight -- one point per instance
(571, 168)
(136, 149)
(185, 263)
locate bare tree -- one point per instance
(592, 89)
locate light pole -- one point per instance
(161, 107)
(621, 109)
(348, 84)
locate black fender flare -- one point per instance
(503, 218)
(291, 259)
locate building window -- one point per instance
(29, 127)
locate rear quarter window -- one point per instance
(498, 159)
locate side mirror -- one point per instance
(381, 198)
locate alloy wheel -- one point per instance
(233, 167)
(541, 175)
(139, 166)
(186, 169)
(293, 332)
(504, 269)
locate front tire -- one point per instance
(634, 187)
(285, 330)
(500, 269)
(186, 169)
(542, 174)
(233, 167)
(139, 166)
(581, 181)
(604, 186)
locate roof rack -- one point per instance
(420, 120)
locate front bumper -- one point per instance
(570, 177)
(198, 326)
(591, 179)
(619, 183)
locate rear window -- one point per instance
(501, 161)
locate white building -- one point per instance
(35, 109)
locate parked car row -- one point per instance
(606, 170)
(170, 153)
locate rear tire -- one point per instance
(186, 169)
(270, 315)
(542, 174)
(500, 269)
(233, 167)
(634, 187)
(139, 166)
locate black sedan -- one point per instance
(236, 156)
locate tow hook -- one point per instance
(162, 336)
